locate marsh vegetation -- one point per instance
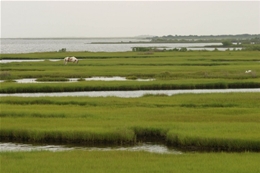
(190, 122)
(171, 70)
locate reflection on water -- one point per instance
(20, 60)
(27, 147)
(115, 78)
(129, 94)
(34, 80)
(26, 60)
(147, 147)
(30, 80)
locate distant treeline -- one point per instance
(239, 37)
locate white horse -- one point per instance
(70, 59)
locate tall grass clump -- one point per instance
(116, 136)
(211, 143)
(150, 133)
(244, 85)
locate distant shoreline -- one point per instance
(154, 42)
(62, 38)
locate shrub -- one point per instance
(62, 50)
(227, 43)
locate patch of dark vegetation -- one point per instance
(155, 95)
(24, 69)
(169, 64)
(5, 75)
(212, 144)
(121, 87)
(81, 79)
(39, 115)
(51, 79)
(131, 77)
(213, 105)
(235, 60)
(118, 137)
(35, 114)
(47, 102)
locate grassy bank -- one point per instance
(123, 161)
(214, 122)
(12, 87)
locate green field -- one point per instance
(227, 125)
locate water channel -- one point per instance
(146, 147)
(114, 78)
(129, 94)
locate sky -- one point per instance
(40, 19)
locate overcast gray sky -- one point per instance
(127, 18)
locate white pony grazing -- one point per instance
(70, 59)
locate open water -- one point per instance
(26, 45)
(129, 94)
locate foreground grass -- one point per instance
(123, 161)
(217, 122)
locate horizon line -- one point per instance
(139, 36)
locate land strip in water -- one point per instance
(203, 122)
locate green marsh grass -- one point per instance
(52, 79)
(124, 161)
(162, 65)
(168, 68)
(200, 122)
(214, 122)
(13, 87)
(172, 70)
(188, 121)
